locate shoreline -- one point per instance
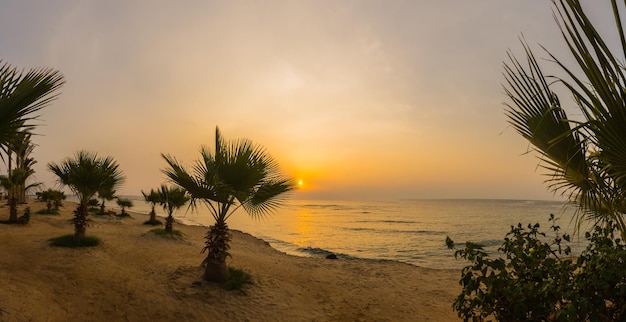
(135, 275)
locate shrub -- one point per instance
(155, 222)
(71, 242)
(45, 211)
(25, 218)
(163, 232)
(237, 280)
(533, 280)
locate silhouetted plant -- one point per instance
(106, 193)
(12, 183)
(72, 242)
(25, 218)
(154, 198)
(586, 156)
(23, 94)
(172, 198)
(51, 198)
(124, 203)
(534, 280)
(85, 175)
(238, 280)
(92, 205)
(237, 175)
(45, 211)
(163, 232)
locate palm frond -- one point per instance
(587, 158)
(537, 115)
(237, 174)
(269, 196)
(21, 95)
(86, 174)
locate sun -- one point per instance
(300, 183)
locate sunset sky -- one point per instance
(358, 99)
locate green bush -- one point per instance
(237, 280)
(25, 218)
(124, 215)
(71, 242)
(163, 232)
(534, 280)
(46, 212)
(155, 222)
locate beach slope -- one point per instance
(135, 275)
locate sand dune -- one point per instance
(138, 276)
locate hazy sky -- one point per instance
(359, 99)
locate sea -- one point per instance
(411, 231)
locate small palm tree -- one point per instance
(46, 197)
(51, 198)
(124, 203)
(12, 184)
(154, 198)
(105, 194)
(237, 175)
(172, 198)
(57, 198)
(86, 174)
(587, 158)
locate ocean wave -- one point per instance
(320, 252)
(395, 231)
(383, 221)
(490, 242)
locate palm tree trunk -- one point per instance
(12, 208)
(169, 222)
(9, 166)
(217, 244)
(216, 270)
(152, 215)
(80, 222)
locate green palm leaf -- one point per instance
(587, 158)
(21, 95)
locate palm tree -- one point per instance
(57, 197)
(23, 147)
(124, 203)
(237, 175)
(19, 144)
(51, 198)
(86, 174)
(21, 95)
(106, 193)
(586, 158)
(154, 198)
(172, 198)
(12, 183)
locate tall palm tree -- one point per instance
(586, 158)
(22, 146)
(154, 198)
(172, 198)
(86, 174)
(237, 175)
(21, 95)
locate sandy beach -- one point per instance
(135, 275)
